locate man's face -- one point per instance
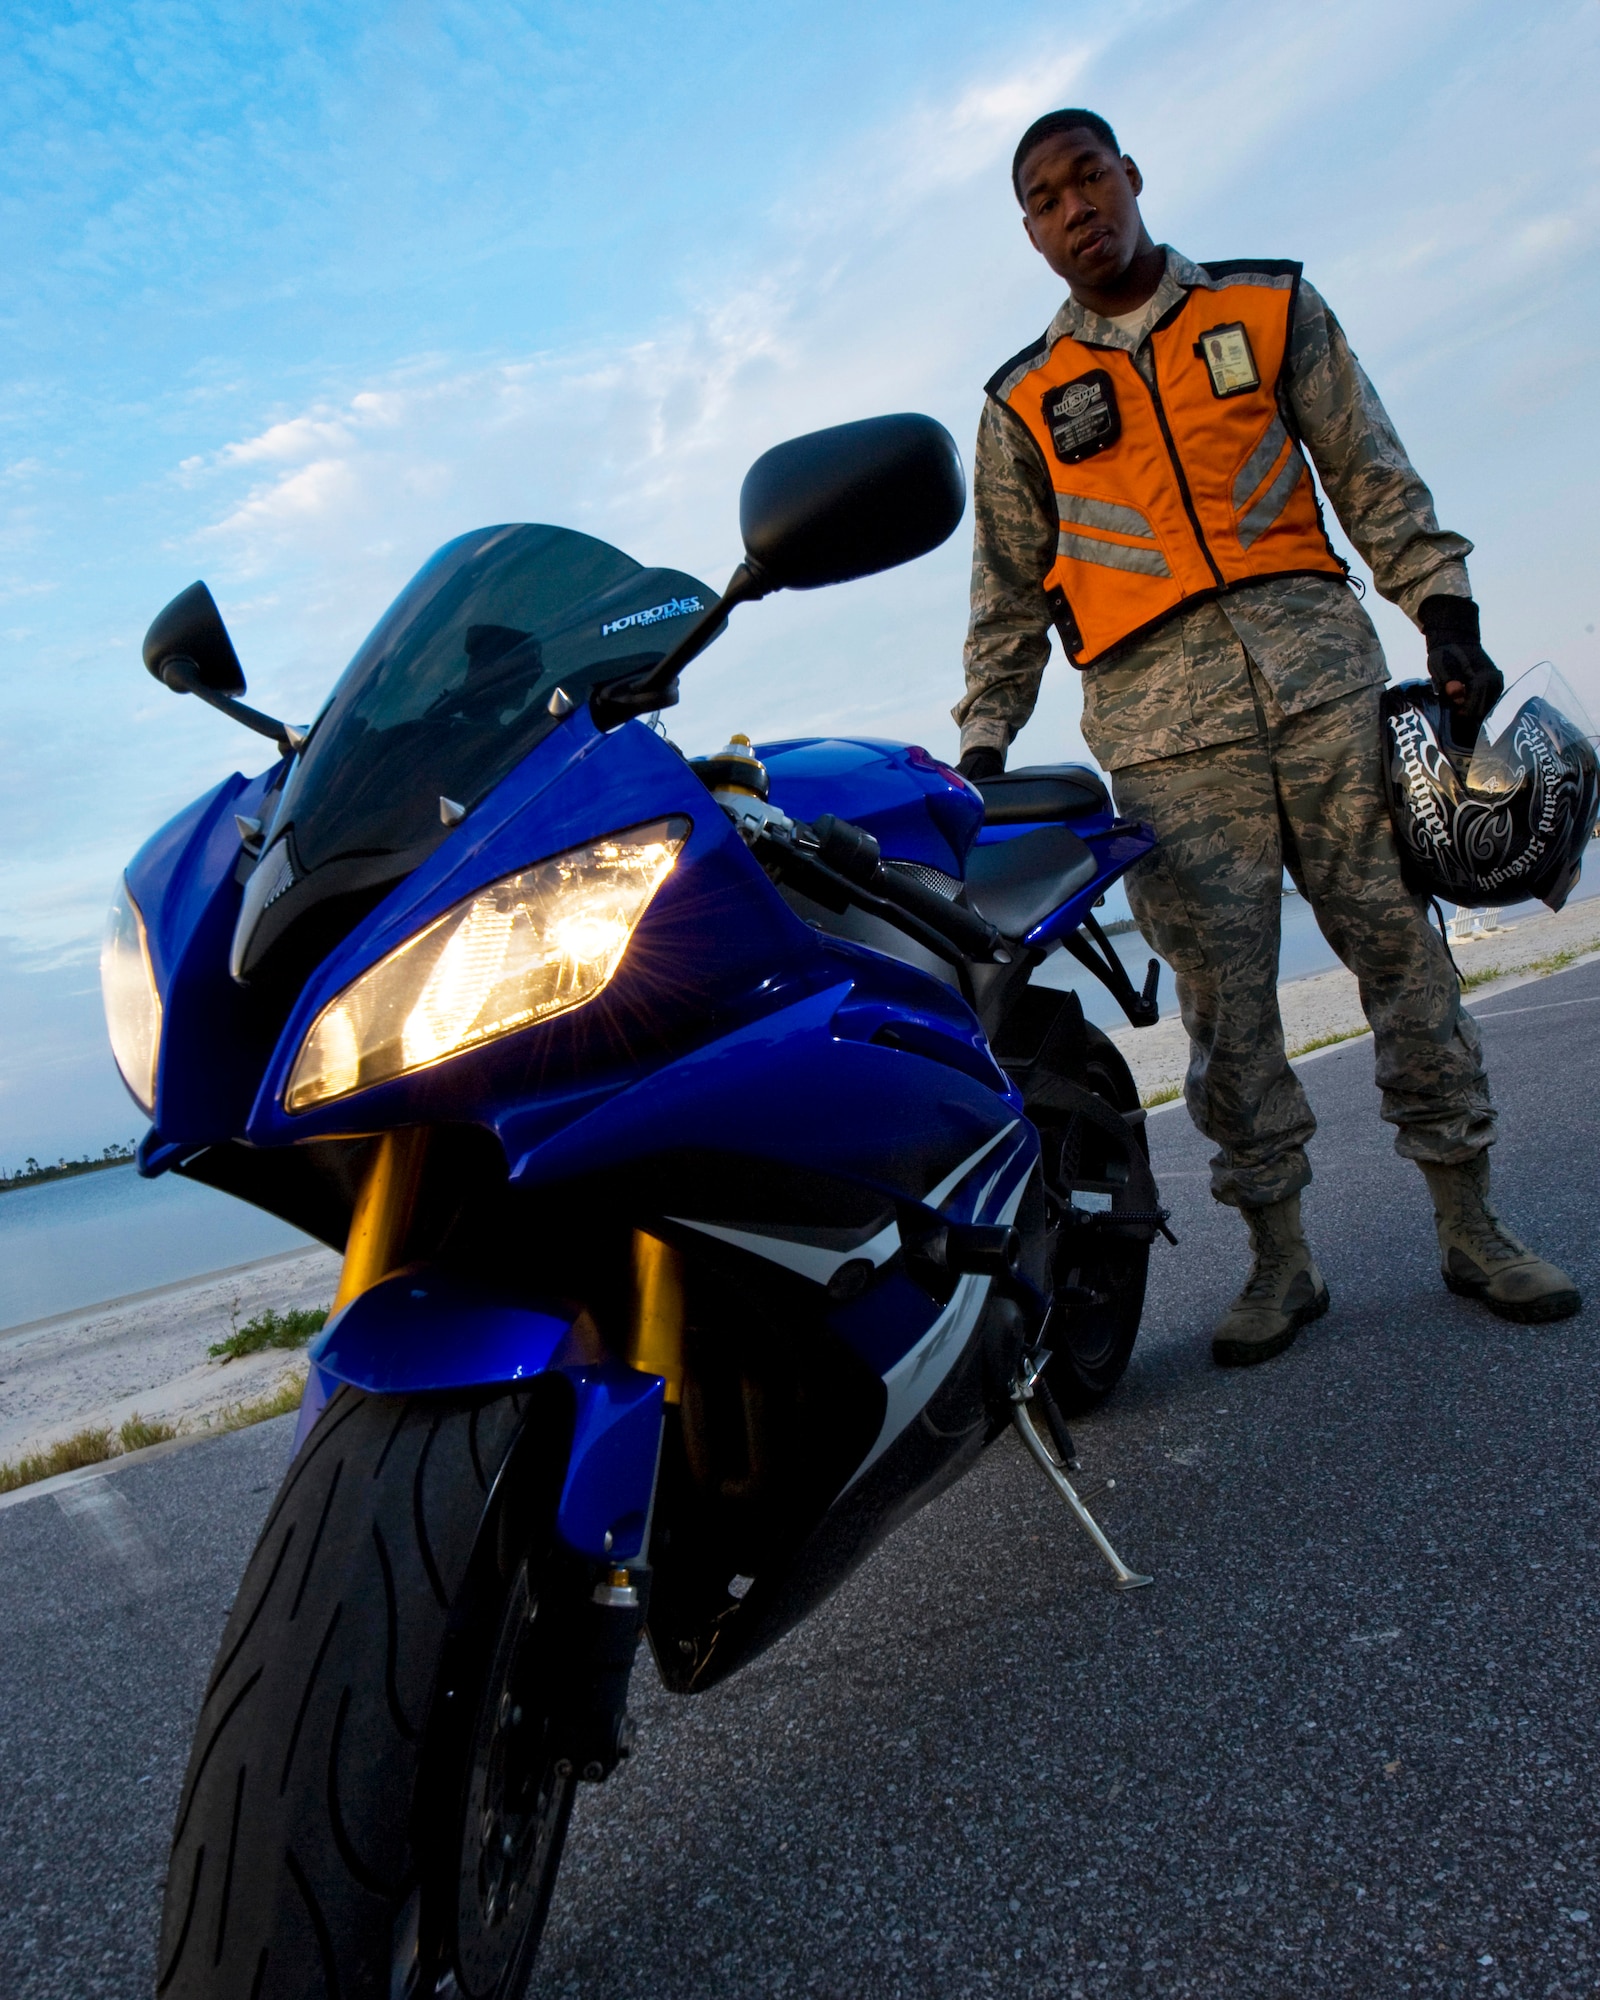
(1080, 207)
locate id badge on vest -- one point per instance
(1082, 416)
(1226, 352)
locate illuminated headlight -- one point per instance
(132, 1004)
(524, 949)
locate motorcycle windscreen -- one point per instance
(452, 689)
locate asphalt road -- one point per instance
(1348, 1743)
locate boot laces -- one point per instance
(1482, 1234)
(1486, 1239)
(1270, 1268)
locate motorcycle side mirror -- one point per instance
(850, 501)
(188, 643)
(824, 508)
(187, 648)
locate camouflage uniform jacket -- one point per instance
(1186, 685)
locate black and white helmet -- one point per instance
(1506, 820)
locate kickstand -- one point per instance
(1023, 1390)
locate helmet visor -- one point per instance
(1540, 696)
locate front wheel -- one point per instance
(376, 1798)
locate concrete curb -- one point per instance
(1490, 991)
(81, 1475)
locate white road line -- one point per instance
(1543, 1007)
(108, 1527)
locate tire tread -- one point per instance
(292, 1844)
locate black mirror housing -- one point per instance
(191, 629)
(850, 501)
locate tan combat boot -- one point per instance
(1283, 1293)
(1481, 1259)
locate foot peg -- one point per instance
(1024, 1389)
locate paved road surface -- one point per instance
(1348, 1744)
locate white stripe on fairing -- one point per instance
(915, 1379)
(810, 1260)
(947, 1187)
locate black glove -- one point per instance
(1467, 680)
(984, 762)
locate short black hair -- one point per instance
(1048, 126)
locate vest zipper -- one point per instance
(1177, 466)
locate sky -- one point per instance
(293, 295)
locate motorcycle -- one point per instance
(712, 1179)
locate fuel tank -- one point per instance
(916, 808)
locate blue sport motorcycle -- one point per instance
(712, 1181)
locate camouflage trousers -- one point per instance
(1302, 793)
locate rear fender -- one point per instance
(422, 1333)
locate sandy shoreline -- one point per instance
(146, 1353)
(1327, 1005)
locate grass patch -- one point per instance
(1165, 1095)
(1558, 961)
(278, 1402)
(85, 1447)
(139, 1431)
(1328, 1041)
(98, 1442)
(269, 1329)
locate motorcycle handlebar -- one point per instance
(845, 866)
(856, 855)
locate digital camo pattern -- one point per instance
(1303, 792)
(1185, 687)
(1515, 827)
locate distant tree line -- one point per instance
(30, 1172)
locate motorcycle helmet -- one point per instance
(1500, 821)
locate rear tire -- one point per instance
(1099, 1271)
(359, 1816)
(1091, 1344)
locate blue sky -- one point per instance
(293, 295)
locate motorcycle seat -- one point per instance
(1042, 792)
(1017, 883)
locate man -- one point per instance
(1142, 484)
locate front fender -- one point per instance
(423, 1333)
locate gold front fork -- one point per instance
(384, 1208)
(655, 1326)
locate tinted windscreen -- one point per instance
(452, 689)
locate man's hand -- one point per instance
(986, 763)
(1468, 681)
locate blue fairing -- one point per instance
(422, 1333)
(731, 1026)
(214, 1042)
(716, 941)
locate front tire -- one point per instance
(361, 1814)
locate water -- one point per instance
(68, 1244)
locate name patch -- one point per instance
(1082, 416)
(1226, 352)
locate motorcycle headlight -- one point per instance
(528, 947)
(132, 1004)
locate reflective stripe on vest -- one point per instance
(1179, 492)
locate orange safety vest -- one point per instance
(1179, 491)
